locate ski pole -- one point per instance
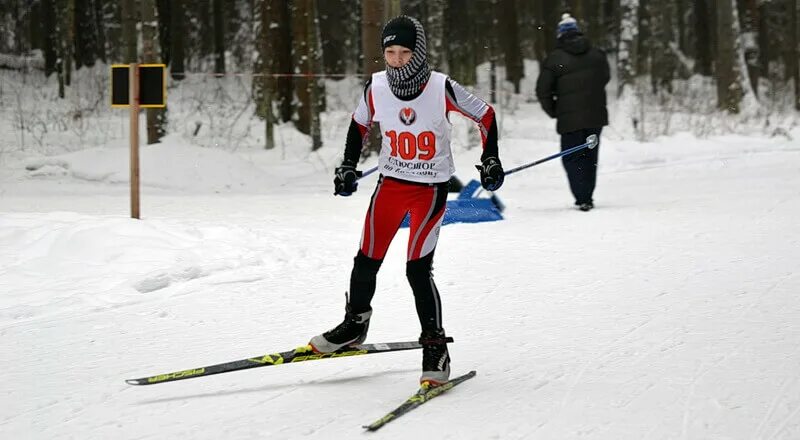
(590, 143)
(368, 172)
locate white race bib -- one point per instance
(416, 133)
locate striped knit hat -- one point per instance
(567, 24)
(408, 80)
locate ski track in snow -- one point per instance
(668, 312)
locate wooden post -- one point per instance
(133, 101)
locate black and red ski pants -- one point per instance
(391, 201)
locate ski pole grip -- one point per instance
(592, 141)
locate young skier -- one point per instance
(412, 105)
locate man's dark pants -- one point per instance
(581, 166)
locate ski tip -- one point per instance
(133, 381)
(468, 375)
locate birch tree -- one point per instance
(628, 42)
(733, 85)
(629, 108)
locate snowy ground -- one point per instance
(670, 311)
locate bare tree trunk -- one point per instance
(15, 32)
(729, 95)
(85, 33)
(462, 54)
(177, 52)
(164, 13)
(435, 28)
(50, 41)
(391, 9)
(630, 108)
(552, 15)
(112, 24)
(150, 54)
(206, 29)
(704, 37)
(281, 57)
(68, 41)
(731, 72)
(263, 82)
(129, 38)
(662, 57)
(681, 14)
(371, 24)
(99, 25)
(493, 51)
(63, 44)
(577, 9)
(749, 21)
(219, 37)
(339, 27)
(646, 39)
(793, 48)
(593, 21)
(301, 10)
(307, 60)
(539, 42)
(316, 83)
(33, 28)
(628, 42)
(274, 43)
(515, 68)
(764, 43)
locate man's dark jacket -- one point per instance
(571, 84)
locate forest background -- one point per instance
(703, 66)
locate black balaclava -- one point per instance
(408, 80)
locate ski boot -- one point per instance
(352, 331)
(435, 358)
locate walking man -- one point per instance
(571, 88)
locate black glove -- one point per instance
(345, 180)
(492, 174)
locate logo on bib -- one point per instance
(407, 115)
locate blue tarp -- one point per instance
(469, 208)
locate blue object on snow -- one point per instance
(468, 208)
